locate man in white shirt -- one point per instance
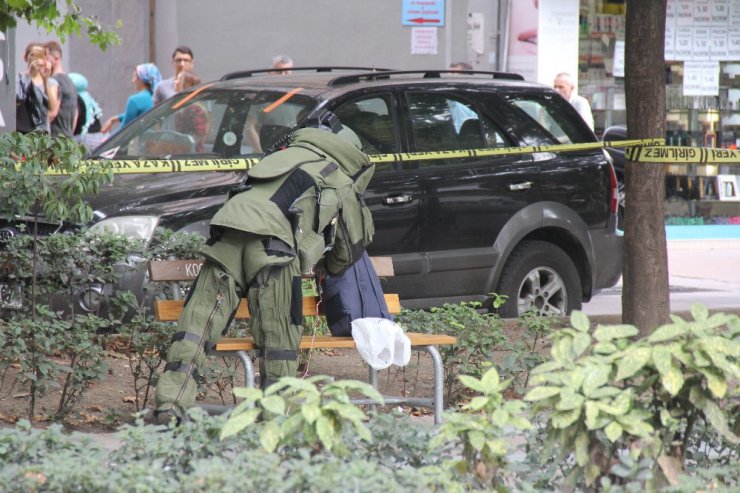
(566, 87)
(182, 59)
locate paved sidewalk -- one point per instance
(700, 270)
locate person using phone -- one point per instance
(36, 91)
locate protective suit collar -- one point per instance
(315, 144)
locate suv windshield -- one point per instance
(209, 123)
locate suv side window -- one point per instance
(441, 122)
(372, 121)
(553, 117)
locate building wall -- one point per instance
(228, 35)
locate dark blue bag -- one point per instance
(355, 294)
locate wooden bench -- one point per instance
(174, 272)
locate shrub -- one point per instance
(478, 336)
(617, 404)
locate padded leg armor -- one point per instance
(208, 311)
(271, 272)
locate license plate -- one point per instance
(10, 297)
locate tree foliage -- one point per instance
(46, 14)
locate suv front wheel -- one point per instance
(539, 277)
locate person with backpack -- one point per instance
(298, 205)
(87, 130)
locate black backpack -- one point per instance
(354, 294)
(82, 118)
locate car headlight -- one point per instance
(133, 227)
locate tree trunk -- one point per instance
(645, 297)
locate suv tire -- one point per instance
(532, 267)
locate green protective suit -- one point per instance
(300, 205)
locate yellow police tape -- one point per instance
(637, 150)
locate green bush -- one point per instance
(478, 336)
(616, 404)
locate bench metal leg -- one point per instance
(438, 387)
(374, 382)
(437, 401)
(248, 368)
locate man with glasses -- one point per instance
(182, 59)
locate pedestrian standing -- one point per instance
(182, 59)
(64, 119)
(146, 76)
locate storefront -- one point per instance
(702, 95)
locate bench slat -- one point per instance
(318, 342)
(169, 310)
(187, 270)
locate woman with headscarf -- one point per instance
(145, 79)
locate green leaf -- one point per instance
(632, 361)
(596, 376)
(500, 418)
(490, 379)
(716, 383)
(622, 403)
(605, 333)
(672, 381)
(477, 403)
(274, 404)
(613, 431)
(561, 350)
(521, 423)
(539, 393)
(671, 378)
(667, 332)
(248, 393)
(581, 448)
(605, 348)
(472, 383)
(718, 420)
(546, 367)
(569, 400)
(579, 321)
(634, 425)
(699, 312)
(310, 412)
(270, 436)
(563, 419)
(363, 432)
(346, 410)
(477, 440)
(603, 392)
(573, 379)
(581, 342)
(325, 431)
(237, 423)
(497, 447)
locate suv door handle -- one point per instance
(525, 185)
(398, 199)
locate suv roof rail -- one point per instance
(249, 73)
(426, 74)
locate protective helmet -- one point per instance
(326, 120)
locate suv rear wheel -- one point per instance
(539, 277)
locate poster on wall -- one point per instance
(476, 36)
(557, 40)
(701, 30)
(543, 39)
(522, 38)
(700, 78)
(423, 40)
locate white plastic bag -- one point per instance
(381, 342)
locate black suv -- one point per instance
(539, 228)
